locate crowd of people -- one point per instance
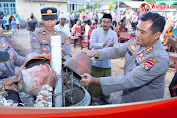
(12, 22)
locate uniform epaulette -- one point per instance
(38, 31)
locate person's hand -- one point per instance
(51, 78)
(175, 38)
(64, 58)
(91, 53)
(86, 80)
(20, 69)
(111, 44)
(10, 83)
(106, 42)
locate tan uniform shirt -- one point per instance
(40, 42)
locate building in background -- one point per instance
(25, 7)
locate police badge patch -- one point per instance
(33, 38)
(150, 62)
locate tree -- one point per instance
(95, 5)
(116, 3)
(81, 9)
(150, 1)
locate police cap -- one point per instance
(49, 13)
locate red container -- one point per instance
(80, 63)
(32, 78)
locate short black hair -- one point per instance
(158, 21)
(32, 17)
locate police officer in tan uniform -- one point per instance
(40, 40)
(146, 63)
(8, 69)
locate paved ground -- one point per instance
(22, 45)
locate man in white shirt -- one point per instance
(62, 27)
(128, 20)
(87, 28)
(114, 17)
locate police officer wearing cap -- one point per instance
(8, 69)
(40, 39)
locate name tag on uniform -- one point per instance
(136, 63)
(129, 52)
(44, 44)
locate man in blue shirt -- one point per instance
(7, 22)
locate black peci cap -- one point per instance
(107, 16)
(49, 13)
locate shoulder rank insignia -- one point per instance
(67, 40)
(43, 32)
(3, 45)
(150, 62)
(1, 73)
(149, 49)
(33, 38)
(133, 47)
(141, 56)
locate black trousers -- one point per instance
(6, 27)
(134, 25)
(88, 22)
(173, 86)
(114, 23)
(14, 96)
